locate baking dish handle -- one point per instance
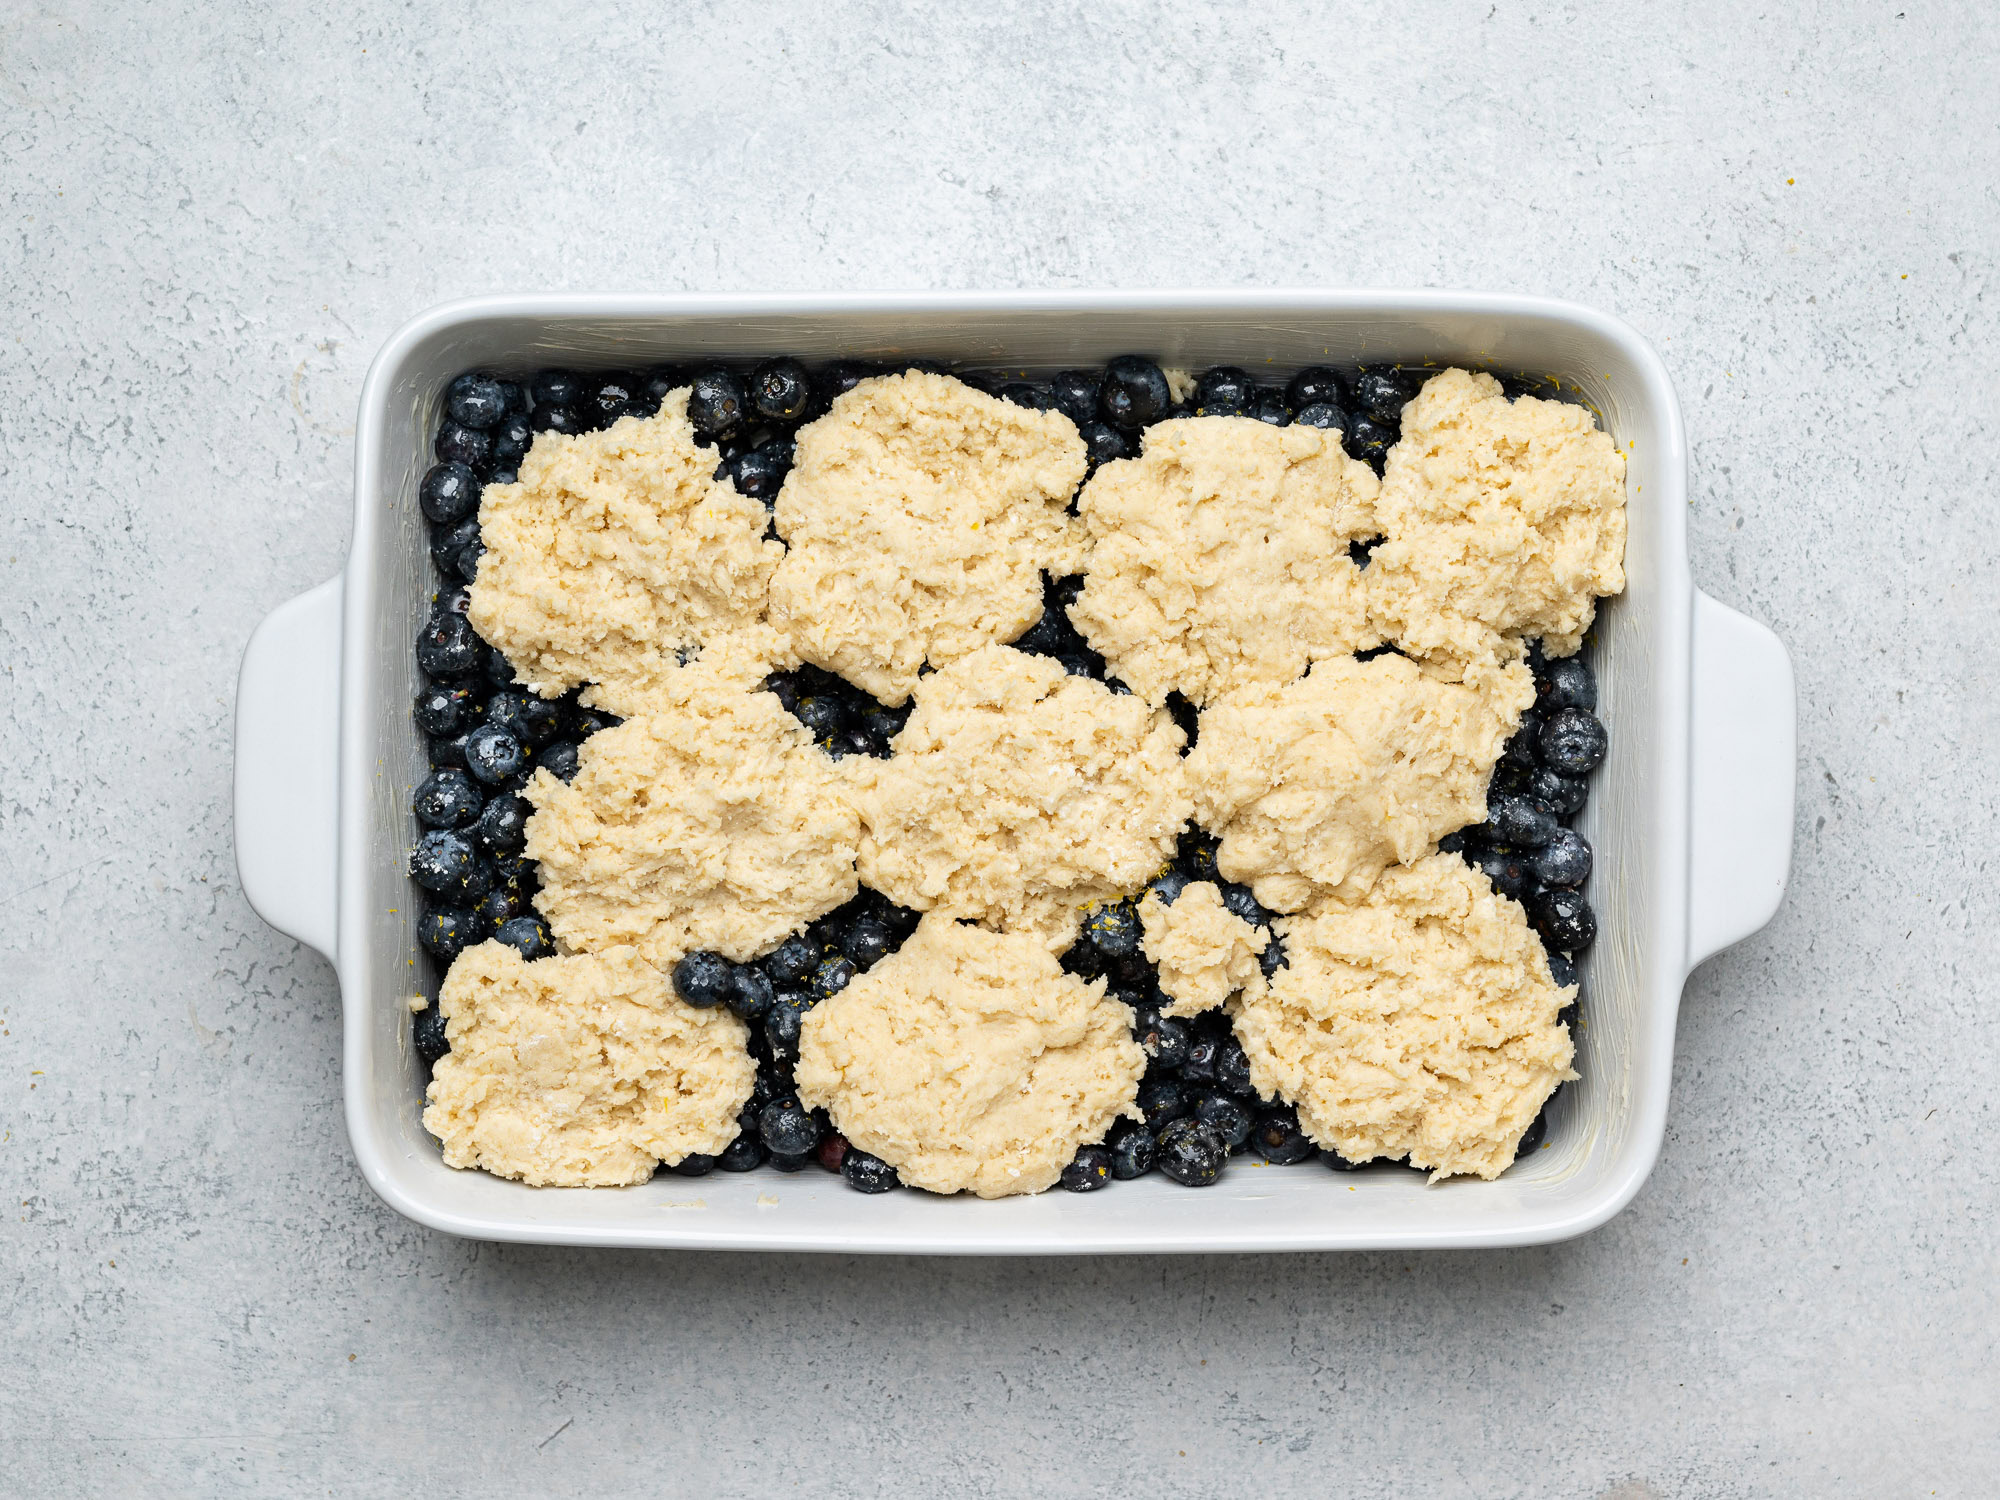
(287, 765)
(1743, 766)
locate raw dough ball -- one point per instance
(615, 549)
(710, 821)
(1505, 520)
(968, 1060)
(1419, 1021)
(1205, 952)
(1355, 766)
(582, 1071)
(1018, 794)
(1219, 557)
(921, 513)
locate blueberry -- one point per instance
(1024, 393)
(1132, 1150)
(1361, 553)
(1165, 1039)
(462, 445)
(704, 979)
(1161, 1100)
(750, 991)
(1088, 1170)
(1520, 749)
(511, 441)
(528, 936)
(790, 962)
(1507, 870)
(500, 905)
(1382, 394)
(1562, 795)
(716, 404)
(1223, 391)
(1573, 742)
(781, 1025)
(610, 397)
(562, 419)
(823, 714)
(788, 1128)
(446, 862)
(429, 1036)
(1074, 394)
(1273, 957)
(1168, 885)
(783, 1163)
(493, 755)
(855, 741)
(1566, 683)
(1226, 1117)
(1562, 971)
(448, 541)
(831, 977)
(1191, 1153)
(1324, 415)
(1278, 1139)
(1113, 928)
(1134, 393)
(831, 1151)
(1564, 860)
(508, 709)
(476, 400)
(694, 1164)
(1517, 822)
(449, 492)
(1269, 406)
(1196, 855)
(494, 666)
(759, 473)
(1532, 1137)
(868, 942)
(1051, 635)
(448, 647)
(885, 723)
(446, 799)
(1102, 443)
(781, 390)
(1316, 385)
(447, 931)
(838, 378)
(466, 564)
(559, 760)
(1340, 1163)
(1370, 441)
(1232, 1068)
(556, 388)
(1564, 919)
(444, 708)
(1186, 716)
(588, 721)
(867, 1174)
(1240, 901)
(744, 1154)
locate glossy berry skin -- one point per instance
(1074, 394)
(1316, 385)
(1134, 394)
(782, 1163)
(1382, 394)
(446, 931)
(1225, 1116)
(1232, 1068)
(1564, 860)
(1161, 1100)
(1520, 749)
(531, 720)
(528, 936)
(462, 445)
(1102, 443)
(556, 388)
(1224, 389)
(448, 541)
(837, 379)
(716, 404)
(611, 397)
(831, 1151)
(831, 977)
(444, 708)
(868, 1174)
(1518, 822)
(448, 647)
(1534, 1135)
(1339, 1163)
(758, 474)
(1273, 958)
(1562, 971)
(503, 824)
(1565, 921)
(476, 401)
(744, 1154)
(1165, 1039)
(429, 1036)
(1191, 1153)
(781, 1026)
(560, 760)
(788, 1128)
(511, 441)
(867, 942)
(494, 666)
(493, 755)
(449, 492)
(1277, 1138)
(1322, 414)
(694, 1164)
(1562, 795)
(1026, 393)
(1506, 870)
(1269, 407)
(1199, 1069)
(823, 714)
(1113, 929)
(1196, 857)
(1573, 742)
(780, 390)
(790, 962)
(501, 904)
(1168, 885)
(1566, 682)
(559, 419)
(750, 991)
(1370, 441)
(1133, 1150)
(1088, 1170)
(447, 799)
(704, 979)
(446, 863)
(1241, 901)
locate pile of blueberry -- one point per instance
(486, 735)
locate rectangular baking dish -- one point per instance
(1691, 815)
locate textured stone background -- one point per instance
(214, 215)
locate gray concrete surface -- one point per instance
(216, 212)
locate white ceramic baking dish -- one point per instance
(1691, 815)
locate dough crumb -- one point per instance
(1017, 794)
(615, 550)
(1205, 952)
(921, 514)
(1218, 557)
(580, 1071)
(709, 821)
(969, 1061)
(1420, 1021)
(1505, 521)
(1321, 784)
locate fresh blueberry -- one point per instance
(493, 755)
(1114, 928)
(1324, 415)
(885, 723)
(610, 397)
(854, 741)
(1161, 1100)
(1564, 860)
(1562, 971)
(867, 1174)
(832, 1149)
(1361, 553)
(560, 419)
(1383, 394)
(446, 799)
(1269, 406)
(759, 473)
(448, 647)
(1564, 919)
(1223, 391)
(1165, 1039)
(1573, 742)
(1051, 635)
(783, 1163)
(868, 942)
(449, 492)
(588, 721)
(1562, 795)
(1102, 443)
(528, 936)
(476, 401)
(446, 862)
(781, 1026)
(790, 962)
(1566, 682)
(1196, 855)
(1026, 393)
(694, 1164)
(498, 906)
(788, 1128)
(1278, 1139)
(1241, 901)
(1340, 1163)
(750, 991)
(1168, 885)
(556, 388)
(1134, 393)
(744, 1154)
(1457, 841)
(1074, 394)
(494, 666)
(716, 404)
(445, 708)
(1191, 1153)
(1316, 385)
(1133, 1150)
(1508, 871)
(1088, 1170)
(1186, 716)
(447, 931)
(1232, 1068)
(1370, 441)
(466, 564)
(511, 441)
(559, 760)
(704, 979)
(1226, 1116)
(781, 390)
(1273, 957)
(1533, 1136)
(838, 378)
(429, 1036)
(462, 445)
(447, 542)
(1520, 749)
(503, 824)
(1518, 822)
(831, 976)
(531, 720)
(823, 714)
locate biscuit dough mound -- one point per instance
(1205, 952)
(1505, 520)
(614, 550)
(1018, 794)
(1322, 783)
(1218, 557)
(582, 1071)
(709, 821)
(921, 514)
(969, 1061)
(1419, 1021)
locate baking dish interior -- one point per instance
(1605, 1128)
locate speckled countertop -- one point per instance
(214, 215)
